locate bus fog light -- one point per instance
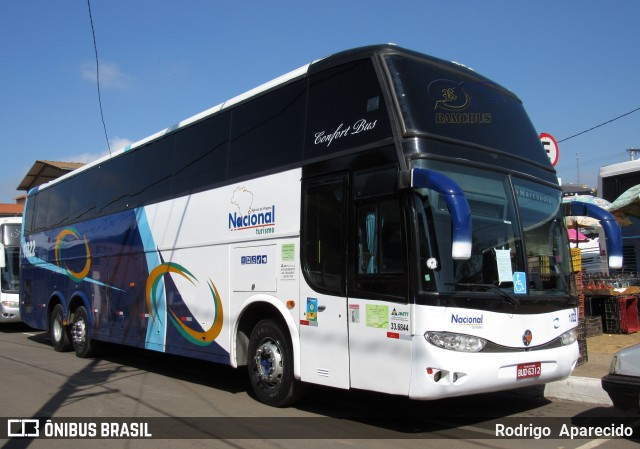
(455, 342)
(569, 337)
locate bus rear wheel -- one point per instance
(58, 331)
(271, 366)
(80, 333)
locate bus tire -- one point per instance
(80, 333)
(270, 365)
(58, 332)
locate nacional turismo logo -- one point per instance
(246, 216)
(466, 319)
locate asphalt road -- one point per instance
(154, 401)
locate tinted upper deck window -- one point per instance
(268, 132)
(201, 159)
(346, 109)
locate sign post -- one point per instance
(551, 147)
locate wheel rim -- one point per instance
(57, 329)
(269, 366)
(79, 332)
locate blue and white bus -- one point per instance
(378, 219)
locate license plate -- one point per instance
(526, 370)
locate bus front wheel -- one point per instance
(271, 365)
(58, 331)
(80, 333)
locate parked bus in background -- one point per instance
(9, 268)
(613, 181)
(378, 220)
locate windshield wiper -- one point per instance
(509, 298)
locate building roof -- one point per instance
(45, 171)
(11, 210)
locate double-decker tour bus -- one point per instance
(378, 219)
(9, 268)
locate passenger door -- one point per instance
(380, 321)
(324, 344)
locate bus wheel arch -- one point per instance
(249, 318)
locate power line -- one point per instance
(601, 124)
(95, 48)
(597, 160)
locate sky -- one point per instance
(574, 64)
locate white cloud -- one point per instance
(117, 143)
(111, 77)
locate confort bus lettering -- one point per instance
(203, 338)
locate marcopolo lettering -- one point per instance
(465, 319)
(252, 219)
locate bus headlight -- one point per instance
(455, 342)
(10, 304)
(569, 337)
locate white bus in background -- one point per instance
(9, 268)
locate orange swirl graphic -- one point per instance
(77, 276)
(196, 337)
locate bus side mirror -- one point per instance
(3, 261)
(456, 203)
(608, 223)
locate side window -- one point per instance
(113, 192)
(201, 158)
(58, 204)
(268, 131)
(346, 110)
(40, 219)
(151, 176)
(83, 195)
(29, 213)
(379, 238)
(324, 230)
(380, 248)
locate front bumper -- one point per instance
(624, 391)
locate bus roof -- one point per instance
(620, 168)
(308, 69)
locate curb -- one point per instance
(579, 389)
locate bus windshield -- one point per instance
(462, 105)
(522, 252)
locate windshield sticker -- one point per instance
(520, 283)
(288, 262)
(312, 311)
(503, 260)
(377, 316)
(399, 324)
(354, 313)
